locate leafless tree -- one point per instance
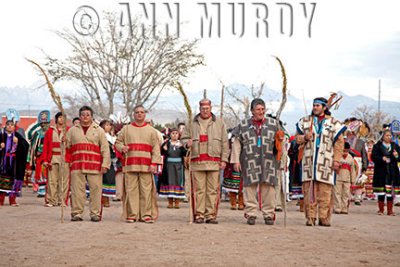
(243, 99)
(230, 120)
(75, 102)
(364, 113)
(128, 69)
(373, 117)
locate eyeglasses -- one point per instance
(87, 114)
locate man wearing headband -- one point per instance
(208, 140)
(320, 137)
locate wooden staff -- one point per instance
(189, 111)
(57, 100)
(278, 115)
(125, 157)
(221, 115)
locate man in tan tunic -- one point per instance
(90, 158)
(208, 140)
(346, 175)
(140, 146)
(55, 191)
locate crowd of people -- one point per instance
(330, 164)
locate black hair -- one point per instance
(86, 108)
(346, 145)
(76, 119)
(103, 123)
(10, 121)
(58, 114)
(327, 112)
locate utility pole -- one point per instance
(379, 97)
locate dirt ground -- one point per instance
(33, 235)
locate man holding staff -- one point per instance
(90, 158)
(139, 144)
(208, 140)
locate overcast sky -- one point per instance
(353, 44)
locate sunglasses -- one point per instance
(87, 114)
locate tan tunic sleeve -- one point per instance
(186, 135)
(352, 172)
(104, 149)
(156, 153)
(338, 148)
(236, 150)
(225, 145)
(68, 143)
(120, 142)
(284, 155)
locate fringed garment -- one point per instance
(318, 155)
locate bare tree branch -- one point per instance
(373, 117)
(243, 99)
(131, 70)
